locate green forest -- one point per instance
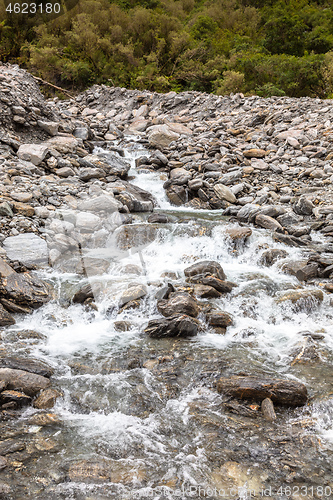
(267, 48)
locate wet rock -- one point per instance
(11, 446)
(85, 292)
(267, 409)
(291, 241)
(122, 326)
(44, 419)
(164, 292)
(179, 303)
(284, 392)
(220, 285)
(19, 380)
(104, 471)
(5, 269)
(29, 365)
(303, 206)
(220, 319)
(46, 399)
(159, 219)
(269, 257)
(176, 326)
(268, 222)
(134, 292)
(306, 352)
(224, 193)
(205, 267)
(16, 397)
(308, 272)
(232, 476)
(3, 463)
(238, 234)
(292, 266)
(206, 292)
(177, 195)
(27, 248)
(35, 153)
(303, 300)
(25, 289)
(134, 235)
(5, 317)
(180, 176)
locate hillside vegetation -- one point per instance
(256, 47)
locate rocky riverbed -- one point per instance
(166, 268)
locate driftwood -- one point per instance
(285, 392)
(44, 82)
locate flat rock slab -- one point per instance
(284, 392)
(19, 380)
(27, 248)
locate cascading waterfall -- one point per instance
(168, 428)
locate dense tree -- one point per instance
(268, 47)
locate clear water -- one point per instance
(167, 427)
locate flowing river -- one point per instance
(140, 417)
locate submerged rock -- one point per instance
(285, 392)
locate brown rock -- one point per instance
(285, 392)
(254, 153)
(267, 408)
(5, 318)
(5, 269)
(206, 292)
(27, 364)
(236, 234)
(177, 326)
(19, 380)
(269, 257)
(10, 306)
(46, 399)
(23, 209)
(220, 319)
(102, 471)
(25, 289)
(178, 303)
(206, 267)
(44, 419)
(17, 397)
(268, 222)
